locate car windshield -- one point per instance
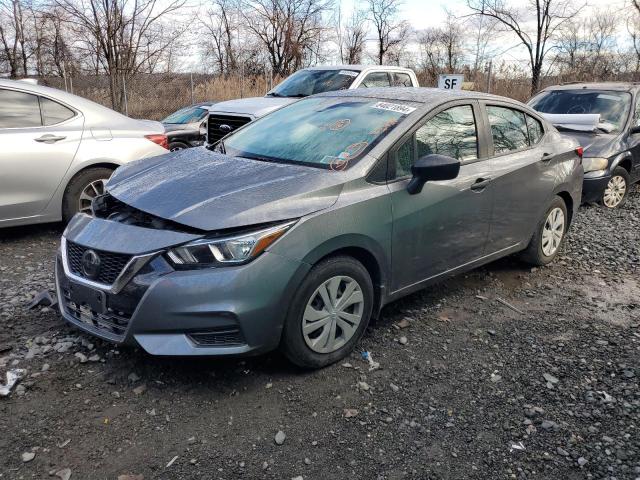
(612, 106)
(187, 115)
(330, 133)
(309, 82)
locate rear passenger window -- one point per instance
(451, 133)
(376, 79)
(19, 110)
(401, 80)
(535, 130)
(508, 129)
(53, 112)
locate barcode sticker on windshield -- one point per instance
(349, 73)
(394, 107)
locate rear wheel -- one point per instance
(549, 235)
(82, 189)
(176, 146)
(616, 191)
(329, 313)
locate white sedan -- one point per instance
(58, 150)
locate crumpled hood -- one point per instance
(596, 145)
(255, 106)
(210, 191)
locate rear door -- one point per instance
(39, 138)
(446, 225)
(523, 175)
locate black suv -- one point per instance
(605, 119)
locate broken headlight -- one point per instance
(594, 163)
(231, 250)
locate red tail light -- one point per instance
(580, 151)
(159, 139)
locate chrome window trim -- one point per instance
(132, 267)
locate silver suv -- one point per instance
(59, 150)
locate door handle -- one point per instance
(546, 157)
(480, 184)
(48, 138)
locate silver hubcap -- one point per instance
(332, 314)
(615, 191)
(553, 232)
(90, 192)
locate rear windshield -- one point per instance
(309, 82)
(330, 133)
(187, 115)
(612, 106)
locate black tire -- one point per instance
(618, 172)
(71, 199)
(534, 253)
(175, 146)
(293, 344)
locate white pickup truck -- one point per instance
(225, 117)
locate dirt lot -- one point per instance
(479, 390)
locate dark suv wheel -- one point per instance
(329, 313)
(616, 191)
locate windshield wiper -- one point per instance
(273, 94)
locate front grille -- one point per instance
(111, 264)
(215, 121)
(220, 338)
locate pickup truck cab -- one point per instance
(225, 117)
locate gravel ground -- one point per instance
(506, 372)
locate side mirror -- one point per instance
(635, 129)
(432, 167)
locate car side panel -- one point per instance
(32, 169)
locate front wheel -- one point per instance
(616, 190)
(329, 313)
(82, 189)
(549, 235)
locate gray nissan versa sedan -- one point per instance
(300, 226)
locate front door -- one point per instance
(39, 139)
(446, 225)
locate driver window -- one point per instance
(451, 132)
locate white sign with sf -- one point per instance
(450, 82)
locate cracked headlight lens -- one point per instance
(231, 250)
(594, 163)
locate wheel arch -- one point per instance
(568, 202)
(366, 251)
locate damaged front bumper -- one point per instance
(213, 311)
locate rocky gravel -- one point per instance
(505, 372)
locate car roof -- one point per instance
(360, 68)
(423, 95)
(620, 86)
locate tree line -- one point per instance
(123, 38)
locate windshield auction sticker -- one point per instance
(394, 107)
(348, 73)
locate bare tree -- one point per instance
(12, 36)
(351, 36)
(124, 36)
(289, 30)
(441, 49)
(549, 16)
(221, 27)
(390, 31)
